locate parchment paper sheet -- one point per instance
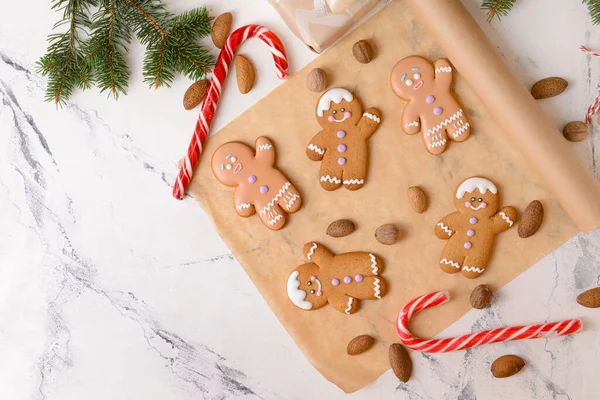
(397, 162)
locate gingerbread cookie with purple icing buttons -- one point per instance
(342, 145)
(340, 280)
(471, 230)
(432, 109)
(259, 186)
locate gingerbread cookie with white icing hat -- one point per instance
(341, 280)
(343, 144)
(259, 186)
(432, 109)
(471, 230)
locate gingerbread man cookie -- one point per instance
(470, 231)
(432, 109)
(258, 184)
(342, 146)
(340, 280)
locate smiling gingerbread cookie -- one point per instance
(432, 109)
(342, 146)
(341, 280)
(471, 230)
(258, 184)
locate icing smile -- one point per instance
(418, 85)
(237, 168)
(332, 118)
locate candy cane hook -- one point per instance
(209, 104)
(552, 329)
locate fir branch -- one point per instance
(497, 8)
(192, 25)
(594, 9)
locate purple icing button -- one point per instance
(358, 278)
(347, 279)
(252, 178)
(429, 99)
(341, 134)
(470, 232)
(342, 161)
(438, 111)
(473, 220)
(335, 282)
(468, 245)
(342, 148)
(264, 189)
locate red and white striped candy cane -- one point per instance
(595, 106)
(209, 104)
(464, 342)
(590, 52)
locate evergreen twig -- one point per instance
(497, 8)
(594, 9)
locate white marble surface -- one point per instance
(110, 289)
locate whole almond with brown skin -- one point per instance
(575, 131)
(387, 234)
(548, 87)
(417, 199)
(316, 80)
(195, 94)
(221, 28)
(481, 297)
(507, 365)
(340, 228)
(362, 51)
(360, 344)
(246, 75)
(531, 219)
(590, 298)
(400, 362)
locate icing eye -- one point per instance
(228, 167)
(417, 76)
(342, 110)
(309, 283)
(334, 112)
(233, 159)
(312, 291)
(473, 199)
(409, 82)
(480, 199)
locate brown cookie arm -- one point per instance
(243, 206)
(443, 74)
(318, 254)
(504, 219)
(411, 121)
(369, 122)
(317, 147)
(446, 227)
(343, 303)
(265, 151)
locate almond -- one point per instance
(316, 80)
(387, 234)
(360, 344)
(575, 131)
(362, 51)
(246, 75)
(590, 298)
(195, 94)
(400, 362)
(531, 220)
(340, 228)
(417, 199)
(548, 87)
(507, 365)
(481, 297)
(221, 28)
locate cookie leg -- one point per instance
(460, 129)
(330, 177)
(354, 176)
(343, 303)
(359, 263)
(291, 200)
(274, 218)
(475, 264)
(452, 257)
(366, 288)
(435, 139)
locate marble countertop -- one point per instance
(110, 289)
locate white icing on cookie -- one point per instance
(295, 294)
(242, 206)
(374, 266)
(473, 269)
(331, 179)
(335, 95)
(264, 147)
(289, 201)
(372, 116)
(443, 69)
(441, 125)
(445, 228)
(312, 251)
(450, 262)
(354, 182)
(506, 218)
(377, 288)
(316, 149)
(471, 184)
(414, 123)
(347, 310)
(275, 199)
(461, 130)
(273, 221)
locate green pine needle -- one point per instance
(497, 8)
(594, 9)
